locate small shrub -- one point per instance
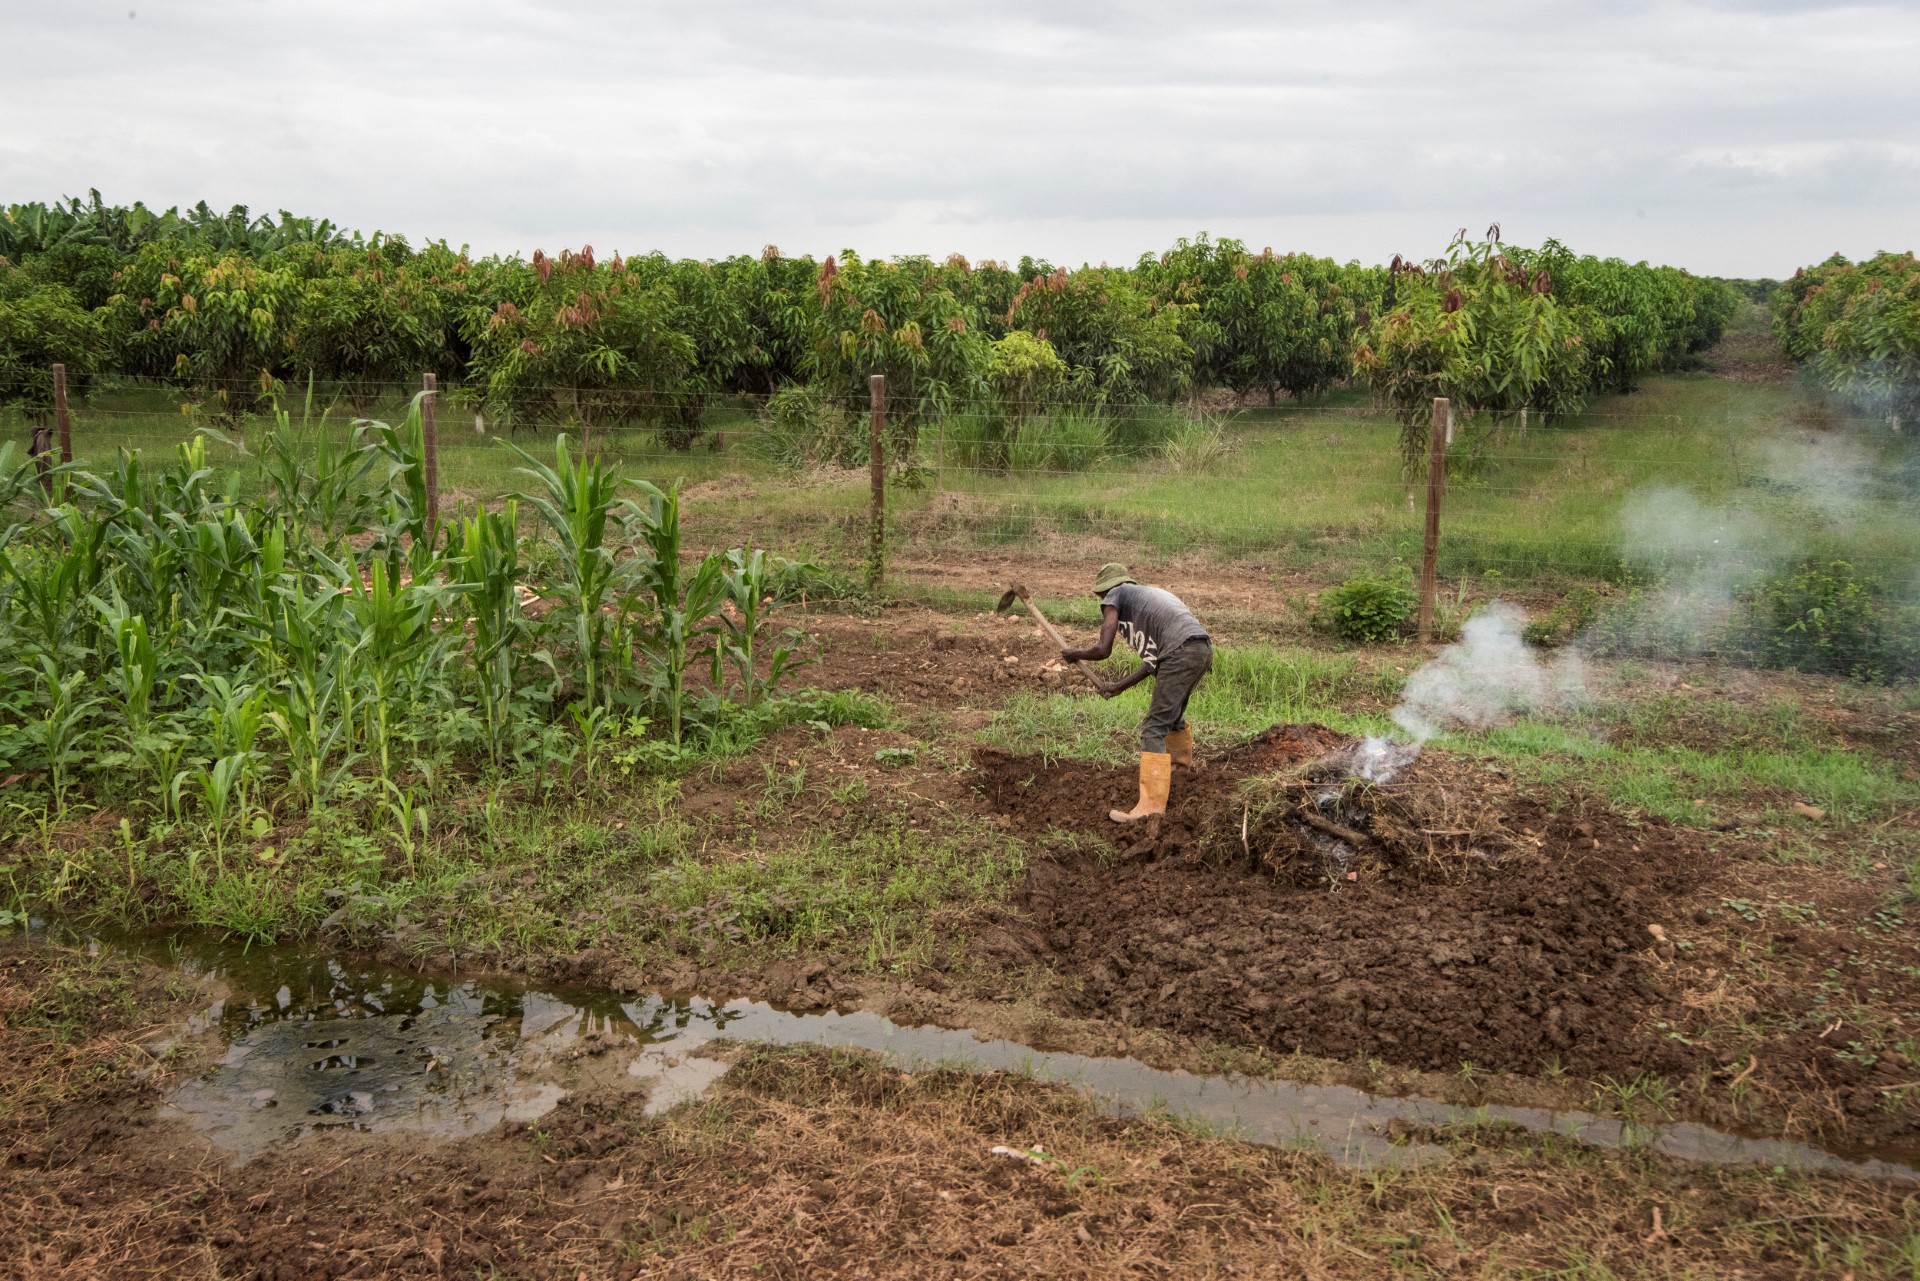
(1366, 609)
(1827, 617)
(1025, 373)
(801, 427)
(1565, 622)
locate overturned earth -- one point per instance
(1433, 920)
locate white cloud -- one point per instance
(1744, 138)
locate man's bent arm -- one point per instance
(1109, 628)
(1133, 678)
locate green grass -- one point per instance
(1314, 486)
(612, 866)
(480, 466)
(1756, 761)
(875, 886)
(1250, 688)
(1665, 781)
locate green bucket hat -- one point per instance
(1111, 575)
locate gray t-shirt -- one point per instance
(1153, 620)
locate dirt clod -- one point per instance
(1433, 921)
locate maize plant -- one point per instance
(749, 587)
(167, 643)
(483, 575)
(578, 502)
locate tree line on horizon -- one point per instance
(230, 308)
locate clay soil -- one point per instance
(1473, 929)
(806, 1163)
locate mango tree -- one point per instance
(897, 319)
(586, 344)
(1479, 329)
(218, 326)
(41, 325)
(368, 320)
(1121, 346)
(1857, 327)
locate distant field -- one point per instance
(1315, 485)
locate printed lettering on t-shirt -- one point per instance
(1142, 644)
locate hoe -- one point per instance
(1020, 593)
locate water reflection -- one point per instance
(318, 1043)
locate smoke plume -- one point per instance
(1701, 556)
(1491, 672)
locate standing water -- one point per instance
(316, 1043)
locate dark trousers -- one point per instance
(1173, 684)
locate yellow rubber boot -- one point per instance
(1180, 746)
(1156, 776)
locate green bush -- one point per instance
(1827, 617)
(1568, 621)
(1366, 609)
(802, 427)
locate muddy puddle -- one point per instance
(315, 1043)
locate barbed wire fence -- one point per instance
(1215, 475)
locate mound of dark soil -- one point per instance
(1038, 797)
(1506, 972)
(1464, 923)
(1279, 747)
(1284, 801)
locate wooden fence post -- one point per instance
(877, 466)
(60, 420)
(1436, 486)
(39, 445)
(430, 442)
(940, 455)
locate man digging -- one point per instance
(1176, 651)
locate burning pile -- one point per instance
(1379, 805)
(1367, 809)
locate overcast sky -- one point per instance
(1734, 138)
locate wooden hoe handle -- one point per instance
(1086, 668)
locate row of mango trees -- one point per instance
(228, 309)
(1857, 328)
